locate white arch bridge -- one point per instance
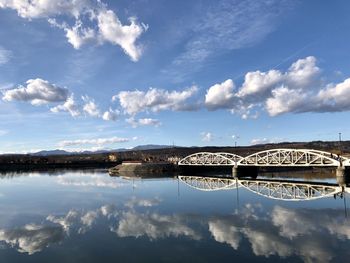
(268, 158)
(274, 189)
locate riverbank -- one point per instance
(141, 168)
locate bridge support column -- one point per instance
(235, 171)
(340, 172)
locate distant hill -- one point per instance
(136, 148)
(51, 152)
(151, 147)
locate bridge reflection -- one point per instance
(274, 189)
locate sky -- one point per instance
(89, 75)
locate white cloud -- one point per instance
(37, 92)
(112, 30)
(99, 141)
(5, 55)
(31, 9)
(334, 97)
(104, 25)
(32, 238)
(297, 90)
(68, 106)
(285, 100)
(154, 100)
(90, 107)
(110, 115)
(143, 122)
(77, 35)
(207, 136)
(220, 95)
(259, 82)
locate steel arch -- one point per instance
(210, 159)
(291, 157)
(208, 183)
(290, 191)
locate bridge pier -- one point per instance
(342, 176)
(245, 171)
(235, 171)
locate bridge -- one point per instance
(268, 158)
(274, 189)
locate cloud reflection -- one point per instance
(89, 180)
(311, 234)
(32, 238)
(154, 226)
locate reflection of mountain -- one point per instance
(275, 189)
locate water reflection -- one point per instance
(195, 224)
(275, 189)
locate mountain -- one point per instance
(136, 148)
(51, 152)
(151, 147)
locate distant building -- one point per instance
(174, 159)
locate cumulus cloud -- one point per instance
(143, 122)
(45, 8)
(299, 89)
(5, 55)
(220, 95)
(112, 30)
(99, 141)
(37, 92)
(76, 35)
(154, 100)
(90, 107)
(105, 24)
(32, 238)
(111, 115)
(69, 105)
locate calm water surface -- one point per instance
(88, 216)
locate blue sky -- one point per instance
(89, 74)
